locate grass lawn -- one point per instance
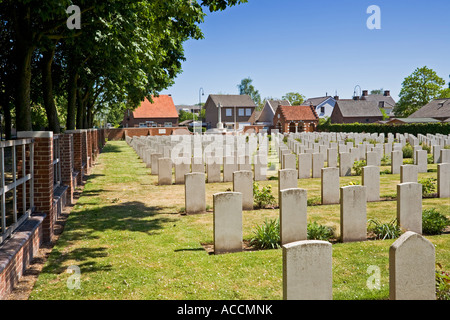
(130, 242)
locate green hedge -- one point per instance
(413, 128)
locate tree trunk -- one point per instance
(23, 110)
(23, 55)
(72, 97)
(47, 91)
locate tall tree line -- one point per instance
(124, 51)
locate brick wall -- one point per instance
(66, 141)
(18, 251)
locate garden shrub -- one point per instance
(428, 187)
(384, 231)
(267, 235)
(442, 284)
(317, 231)
(407, 151)
(358, 165)
(263, 198)
(434, 222)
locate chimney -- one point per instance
(387, 93)
(365, 93)
(336, 98)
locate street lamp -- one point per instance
(201, 93)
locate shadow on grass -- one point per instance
(85, 228)
(111, 148)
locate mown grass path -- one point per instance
(126, 237)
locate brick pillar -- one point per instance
(89, 149)
(77, 154)
(84, 150)
(66, 141)
(94, 146)
(43, 178)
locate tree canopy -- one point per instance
(124, 51)
(294, 98)
(246, 87)
(418, 89)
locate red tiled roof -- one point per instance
(162, 107)
(304, 113)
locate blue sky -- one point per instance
(314, 47)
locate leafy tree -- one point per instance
(185, 115)
(294, 98)
(418, 89)
(377, 91)
(246, 87)
(445, 94)
(125, 50)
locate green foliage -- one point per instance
(267, 235)
(316, 231)
(263, 198)
(413, 128)
(294, 98)
(384, 231)
(434, 222)
(425, 147)
(358, 165)
(407, 151)
(418, 89)
(246, 87)
(428, 186)
(386, 160)
(185, 115)
(313, 201)
(442, 284)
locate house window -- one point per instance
(248, 112)
(229, 112)
(241, 112)
(168, 124)
(322, 109)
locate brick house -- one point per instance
(236, 110)
(351, 111)
(161, 113)
(291, 119)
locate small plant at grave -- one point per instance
(386, 160)
(428, 187)
(442, 284)
(263, 198)
(349, 140)
(434, 222)
(267, 235)
(313, 201)
(386, 171)
(373, 141)
(317, 231)
(407, 151)
(447, 146)
(430, 159)
(425, 147)
(384, 231)
(354, 183)
(358, 165)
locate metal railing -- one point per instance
(56, 162)
(16, 184)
